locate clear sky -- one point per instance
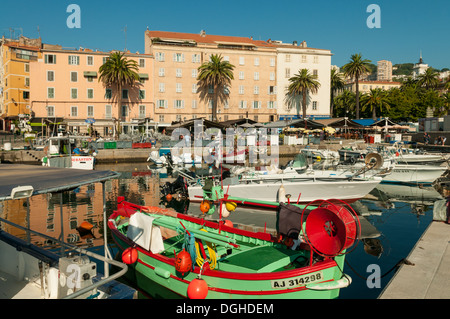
(407, 26)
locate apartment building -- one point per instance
(290, 59)
(178, 95)
(66, 88)
(15, 58)
(384, 70)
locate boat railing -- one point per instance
(93, 286)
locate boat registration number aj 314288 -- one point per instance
(297, 281)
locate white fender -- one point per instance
(281, 194)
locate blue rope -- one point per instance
(189, 245)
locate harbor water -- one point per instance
(400, 214)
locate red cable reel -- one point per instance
(331, 228)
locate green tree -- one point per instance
(300, 85)
(429, 79)
(337, 83)
(344, 104)
(376, 100)
(355, 69)
(119, 72)
(216, 74)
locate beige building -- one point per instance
(66, 89)
(384, 70)
(177, 93)
(366, 86)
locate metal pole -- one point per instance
(105, 234)
(62, 221)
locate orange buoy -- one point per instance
(169, 197)
(183, 262)
(130, 255)
(228, 223)
(197, 289)
(204, 207)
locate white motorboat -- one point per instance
(67, 152)
(414, 174)
(28, 271)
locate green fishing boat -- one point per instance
(174, 255)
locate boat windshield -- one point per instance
(299, 161)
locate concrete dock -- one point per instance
(429, 275)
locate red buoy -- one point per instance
(183, 262)
(169, 197)
(130, 255)
(228, 223)
(197, 289)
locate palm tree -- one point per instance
(375, 100)
(429, 79)
(345, 103)
(354, 69)
(337, 83)
(216, 74)
(120, 72)
(447, 84)
(301, 84)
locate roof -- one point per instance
(340, 122)
(208, 38)
(310, 124)
(47, 179)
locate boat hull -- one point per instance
(303, 191)
(414, 174)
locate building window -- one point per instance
(74, 93)
(159, 56)
(26, 95)
(210, 104)
(161, 118)
(194, 104)
(108, 111)
(178, 87)
(162, 72)
(142, 111)
(241, 75)
(256, 89)
(90, 111)
(74, 60)
(316, 59)
(288, 58)
(162, 104)
(124, 110)
(256, 76)
(178, 73)
(27, 67)
(287, 73)
(304, 59)
(142, 63)
(242, 104)
(178, 104)
(90, 93)
(271, 105)
(196, 58)
(316, 73)
(241, 89)
(90, 60)
(314, 105)
(27, 81)
(194, 73)
(106, 58)
(194, 88)
(272, 61)
(272, 90)
(50, 59)
(50, 111)
(50, 93)
(256, 62)
(125, 94)
(241, 60)
(108, 94)
(74, 111)
(142, 94)
(162, 87)
(74, 76)
(178, 57)
(256, 104)
(272, 76)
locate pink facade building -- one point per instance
(66, 89)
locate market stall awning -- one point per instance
(340, 122)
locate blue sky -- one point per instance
(407, 26)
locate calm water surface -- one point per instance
(400, 214)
